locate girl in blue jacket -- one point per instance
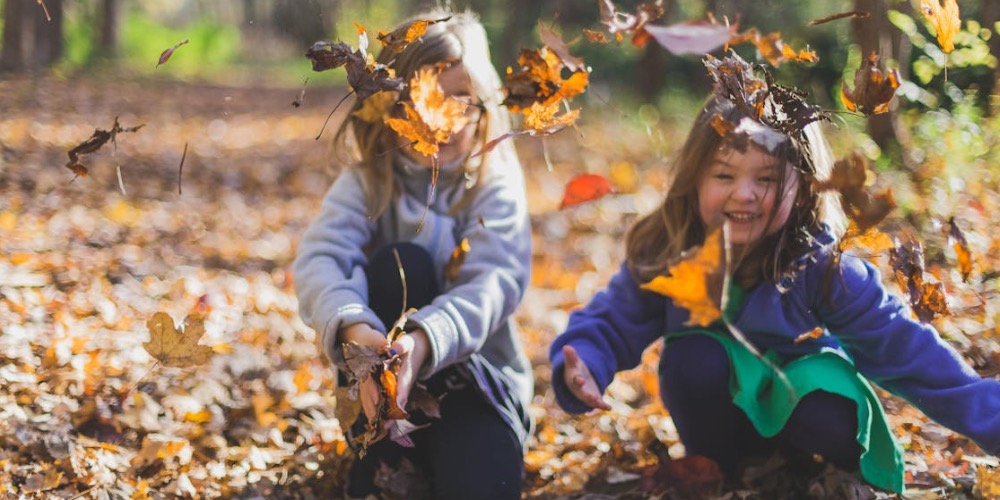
(789, 279)
(462, 342)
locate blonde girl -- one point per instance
(462, 343)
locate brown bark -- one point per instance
(12, 55)
(108, 41)
(991, 15)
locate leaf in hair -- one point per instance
(696, 281)
(872, 89)
(401, 37)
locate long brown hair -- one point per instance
(372, 147)
(657, 240)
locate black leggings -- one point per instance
(470, 452)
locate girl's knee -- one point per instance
(694, 363)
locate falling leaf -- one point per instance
(872, 89)
(556, 44)
(856, 14)
(456, 260)
(815, 333)
(874, 240)
(584, 188)
(773, 48)
(432, 117)
(539, 80)
(377, 106)
(406, 34)
(691, 283)
(851, 177)
(595, 36)
(173, 348)
(302, 94)
(165, 55)
(364, 78)
(624, 23)
(692, 37)
(945, 20)
(928, 300)
(961, 246)
(96, 140)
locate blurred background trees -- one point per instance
(262, 41)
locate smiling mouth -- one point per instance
(742, 217)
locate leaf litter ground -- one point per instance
(85, 410)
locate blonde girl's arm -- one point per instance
(491, 281)
(329, 267)
(904, 356)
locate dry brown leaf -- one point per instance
(406, 34)
(873, 90)
(173, 348)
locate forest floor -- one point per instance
(200, 211)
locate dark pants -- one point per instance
(694, 382)
(470, 452)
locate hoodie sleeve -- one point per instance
(609, 334)
(906, 357)
(492, 279)
(329, 270)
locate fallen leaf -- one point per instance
(691, 283)
(165, 55)
(173, 348)
(873, 90)
(584, 188)
(945, 20)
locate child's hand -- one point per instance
(581, 383)
(364, 334)
(413, 349)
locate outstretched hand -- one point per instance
(580, 381)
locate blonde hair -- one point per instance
(658, 239)
(372, 147)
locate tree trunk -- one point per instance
(877, 34)
(991, 15)
(48, 33)
(108, 42)
(12, 55)
(304, 21)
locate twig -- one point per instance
(402, 278)
(334, 110)
(121, 184)
(180, 169)
(47, 16)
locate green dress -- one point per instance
(769, 401)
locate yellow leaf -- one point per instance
(376, 107)
(945, 20)
(456, 260)
(173, 348)
(688, 282)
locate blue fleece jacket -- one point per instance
(859, 317)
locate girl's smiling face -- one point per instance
(455, 82)
(741, 188)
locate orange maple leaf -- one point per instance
(432, 117)
(945, 20)
(398, 39)
(584, 188)
(691, 282)
(773, 48)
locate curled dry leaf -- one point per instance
(695, 283)
(555, 43)
(406, 34)
(165, 55)
(96, 140)
(432, 117)
(584, 188)
(623, 23)
(173, 348)
(364, 76)
(928, 300)
(872, 89)
(945, 19)
(539, 80)
(852, 177)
